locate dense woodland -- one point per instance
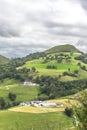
(53, 88)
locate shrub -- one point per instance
(12, 96)
(2, 103)
(68, 111)
(51, 67)
(43, 97)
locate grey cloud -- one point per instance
(68, 30)
(63, 29)
(52, 24)
(82, 45)
(20, 48)
(6, 30)
(69, 33)
(27, 26)
(84, 4)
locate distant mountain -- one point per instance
(62, 48)
(3, 60)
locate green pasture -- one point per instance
(24, 93)
(28, 121)
(41, 67)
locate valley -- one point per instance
(56, 76)
(23, 118)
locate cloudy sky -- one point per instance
(27, 26)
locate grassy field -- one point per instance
(41, 68)
(28, 121)
(30, 118)
(39, 65)
(24, 93)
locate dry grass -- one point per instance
(35, 109)
(30, 109)
(65, 102)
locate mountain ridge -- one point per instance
(62, 48)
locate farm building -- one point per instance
(29, 84)
(41, 104)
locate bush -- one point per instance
(83, 68)
(51, 67)
(2, 103)
(65, 73)
(51, 96)
(81, 112)
(68, 111)
(69, 74)
(12, 96)
(43, 97)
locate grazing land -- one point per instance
(60, 71)
(64, 66)
(28, 121)
(28, 118)
(24, 93)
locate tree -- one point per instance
(68, 60)
(2, 103)
(65, 73)
(51, 67)
(81, 112)
(59, 60)
(83, 67)
(12, 96)
(60, 76)
(69, 69)
(68, 111)
(76, 71)
(79, 64)
(33, 69)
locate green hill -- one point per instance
(65, 63)
(3, 60)
(58, 75)
(62, 48)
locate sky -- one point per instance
(28, 26)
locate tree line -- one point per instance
(82, 57)
(51, 87)
(11, 71)
(11, 101)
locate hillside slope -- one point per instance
(3, 60)
(62, 48)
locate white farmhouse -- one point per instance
(26, 83)
(41, 104)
